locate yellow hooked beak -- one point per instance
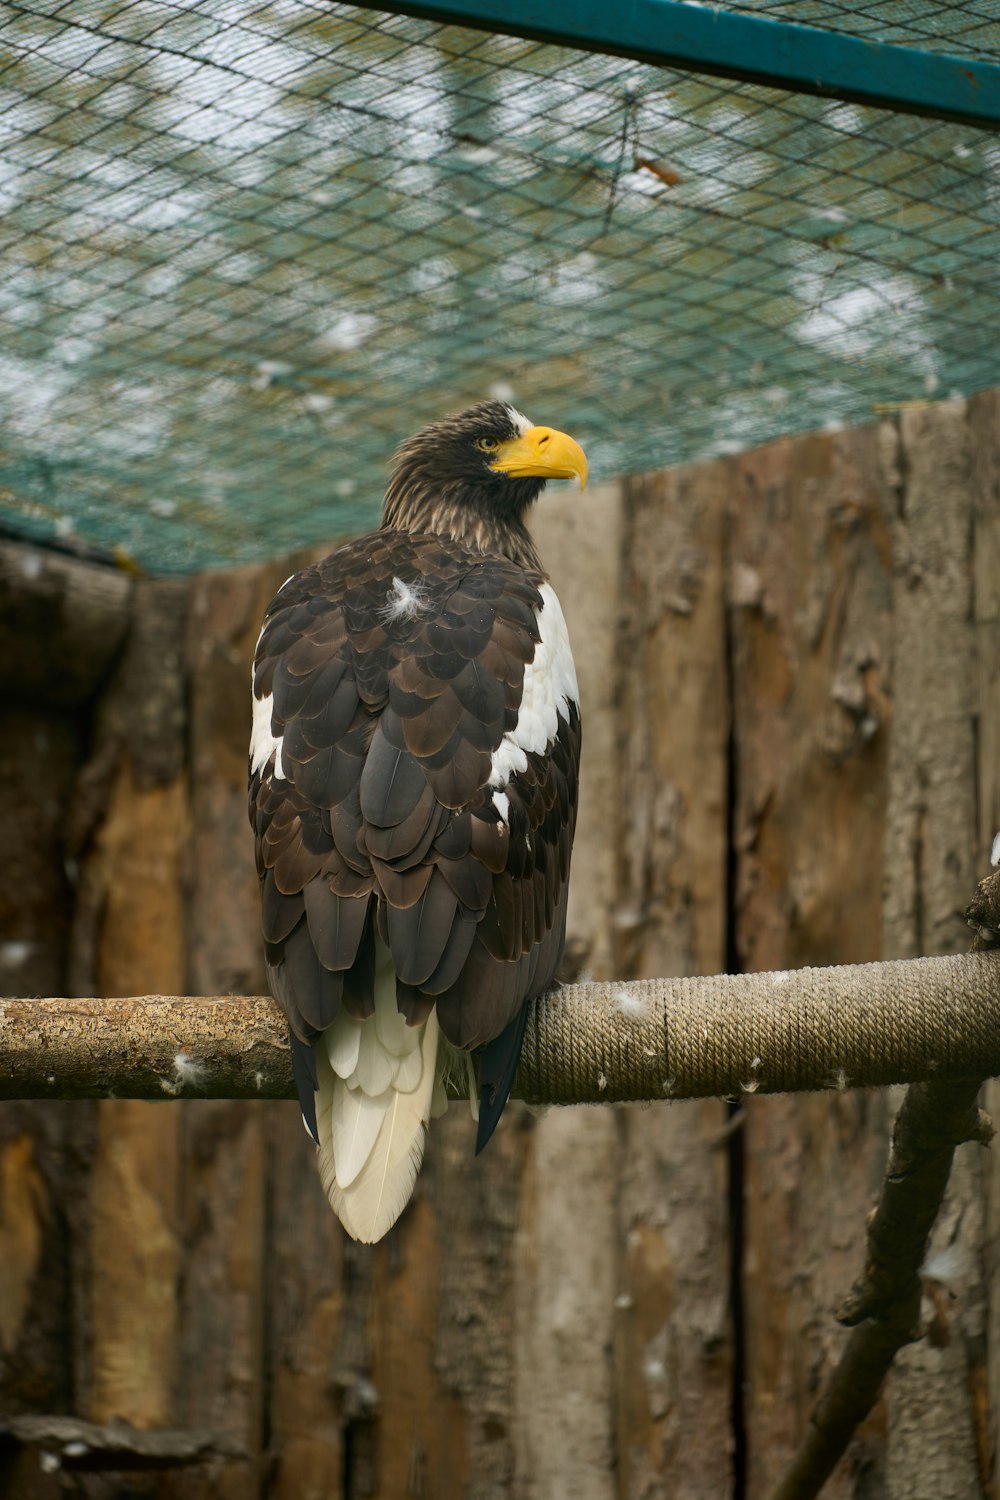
(542, 453)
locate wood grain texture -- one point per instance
(563, 1309)
(59, 629)
(236, 1159)
(984, 432)
(810, 600)
(930, 819)
(35, 1284)
(315, 1380)
(40, 749)
(131, 929)
(222, 1286)
(931, 846)
(63, 623)
(673, 721)
(565, 1374)
(984, 439)
(674, 1337)
(475, 1357)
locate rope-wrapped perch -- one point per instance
(861, 1026)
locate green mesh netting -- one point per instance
(245, 248)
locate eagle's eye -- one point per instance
(487, 444)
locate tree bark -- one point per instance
(738, 1036)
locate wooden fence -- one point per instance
(790, 667)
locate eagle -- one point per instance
(413, 776)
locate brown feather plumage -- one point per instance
(396, 666)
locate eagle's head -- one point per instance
(474, 474)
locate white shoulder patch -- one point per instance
(263, 741)
(995, 852)
(550, 686)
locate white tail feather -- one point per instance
(371, 1145)
(343, 1043)
(355, 1121)
(376, 1067)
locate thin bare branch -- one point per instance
(883, 1307)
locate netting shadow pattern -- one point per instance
(246, 248)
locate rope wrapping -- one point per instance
(861, 1026)
(790, 1031)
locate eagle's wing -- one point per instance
(413, 779)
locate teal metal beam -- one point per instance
(754, 49)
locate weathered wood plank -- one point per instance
(40, 749)
(35, 1284)
(131, 937)
(565, 1287)
(565, 1282)
(673, 718)
(931, 824)
(674, 1347)
(984, 431)
(462, 1430)
(810, 619)
(312, 1378)
(931, 839)
(62, 624)
(43, 1148)
(241, 1229)
(552, 1318)
(984, 437)
(222, 1288)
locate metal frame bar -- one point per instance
(753, 49)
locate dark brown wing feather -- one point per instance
(387, 730)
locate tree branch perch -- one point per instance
(862, 1026)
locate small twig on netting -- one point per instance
(883, 1307)
(628, 117)
(661, 170)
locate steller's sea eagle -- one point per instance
(413, 788)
